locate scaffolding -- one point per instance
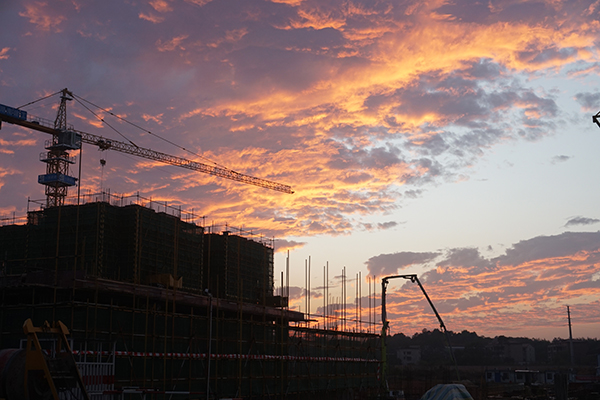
(179, 310)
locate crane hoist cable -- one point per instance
(40, 99)
(80, 100)
(104, 121)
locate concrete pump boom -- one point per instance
(385, 323)
(18, 117)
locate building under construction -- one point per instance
(162, 307)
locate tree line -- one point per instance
(471, 349)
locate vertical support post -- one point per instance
(309, 288)
(208, 355)
(570, 338)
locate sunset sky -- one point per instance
(449, 139)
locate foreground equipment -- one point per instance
(41, 372)
(447, 392)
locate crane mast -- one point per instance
(57, 179)
(65, 137)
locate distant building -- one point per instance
(409, 356)
(524, 376)
(557, 349)
(560, 350)
(518, 351)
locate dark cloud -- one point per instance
(413, 193)
(423, 171)
(369, 158)
(434, 145)
(474, 11)
(543, 247)
(357, 177)
(559, 159)
(474, 142)
(545, 55)
(466, 257)
(387, 225)
(461, 102)
(305, 40)
(296, 292)
(466, 11)
(485, 69)
(452, 97)
(265, 68)
(581, 221)
(387, 264)
(589, 101)
(531, 12)
(380, 225)
(285, 245)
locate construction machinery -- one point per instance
(65, 138)
(385, 324)
(44, 370)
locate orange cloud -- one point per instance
(22, 142)
(4, 53)
(172, 44)
(428, 45)
(155, 118)
(161, 6)
(41, 15)
(151, 18)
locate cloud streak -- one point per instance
(581, 221)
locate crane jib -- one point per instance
(73, 138)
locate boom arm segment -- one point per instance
(123, 147)
(106, 144)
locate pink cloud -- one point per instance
(171, 44)
(4, 53)
(152, 18)
(43, 16)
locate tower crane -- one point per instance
(65, 137)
